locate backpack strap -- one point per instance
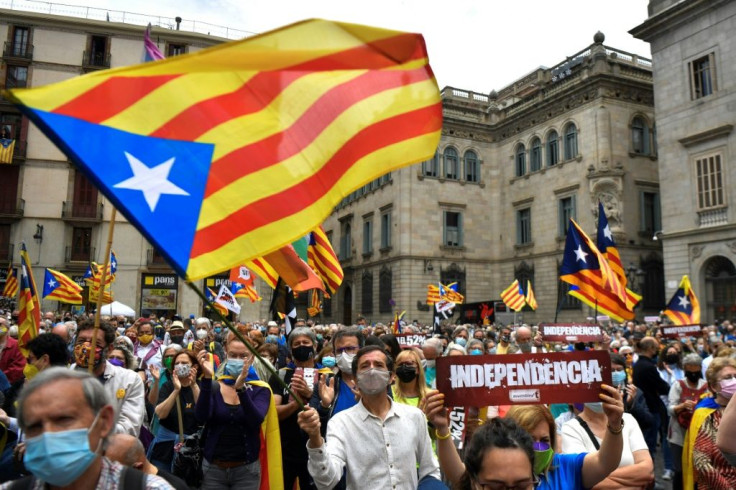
(584, 425)
(132, 479)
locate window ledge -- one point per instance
(453, 248)
(385, 250)
(523, 246)
(651, 156)
(367, 255)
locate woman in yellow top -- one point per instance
(410, 386)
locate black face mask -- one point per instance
(693, 377)
(672, 359)
(302, 353)
(406, 373)
(177, 339)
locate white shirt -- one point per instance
(576, 440)
(394, 453)
(125, 389)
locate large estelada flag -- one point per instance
(606, 301)
(684, 307)
(585, 267)
(249, 145)
(60, 287)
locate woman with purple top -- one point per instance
(233, 412)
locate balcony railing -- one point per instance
(155, 259)
(95, 60)
(73, 254)
(713, 217)
(12, 209)
(81, 212)
(18, 50)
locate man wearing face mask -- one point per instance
(175, 335)
(524, 341)
(122, 385)
(66, 416)
(647, 379)
(205, 341)
(338, 393)
(504, 341)
(380, 443)
(301, 343)
(12, 361)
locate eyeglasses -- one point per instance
(352, 349)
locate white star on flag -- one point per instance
(152, 182)
(684, 303)
(580, 254)
(607, 233)
(52, 283)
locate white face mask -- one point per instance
(201, 334)
(183, 370)
(345, 362)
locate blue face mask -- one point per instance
(461, 341)
(475, 352)
(218, 329)
(272, 339)
(618, 377)
(329, 361)
(233, 367)
(59, 458)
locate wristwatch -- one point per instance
(618, 431)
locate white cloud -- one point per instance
(478, 45)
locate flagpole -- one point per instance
(101, 291)
(240, 337)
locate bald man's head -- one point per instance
(126, 450)
(62, 331)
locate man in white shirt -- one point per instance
(381, 443)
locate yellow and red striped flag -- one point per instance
(11, 283)
(315, 305)
(29, 306)
(319, 109)
(530, 299)
(323, 259)
(513, 296)
(59, 287)
(433, 294)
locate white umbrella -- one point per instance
(118, 308)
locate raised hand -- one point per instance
(308, 420)
(326, 390)
(207, 369)
(613, 405)
(433, 406)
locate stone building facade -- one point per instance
(44, 201)
(694, 54)
(493, 204)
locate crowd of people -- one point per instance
(185, 403)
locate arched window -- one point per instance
(571, 141)
(520, 160)
(553, 154)
(472, 168)
(367, 293)
(451, 164)
(431, 167)
(384, 290)
(640, 136)
(535, 155)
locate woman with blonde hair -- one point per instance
(410, 386)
